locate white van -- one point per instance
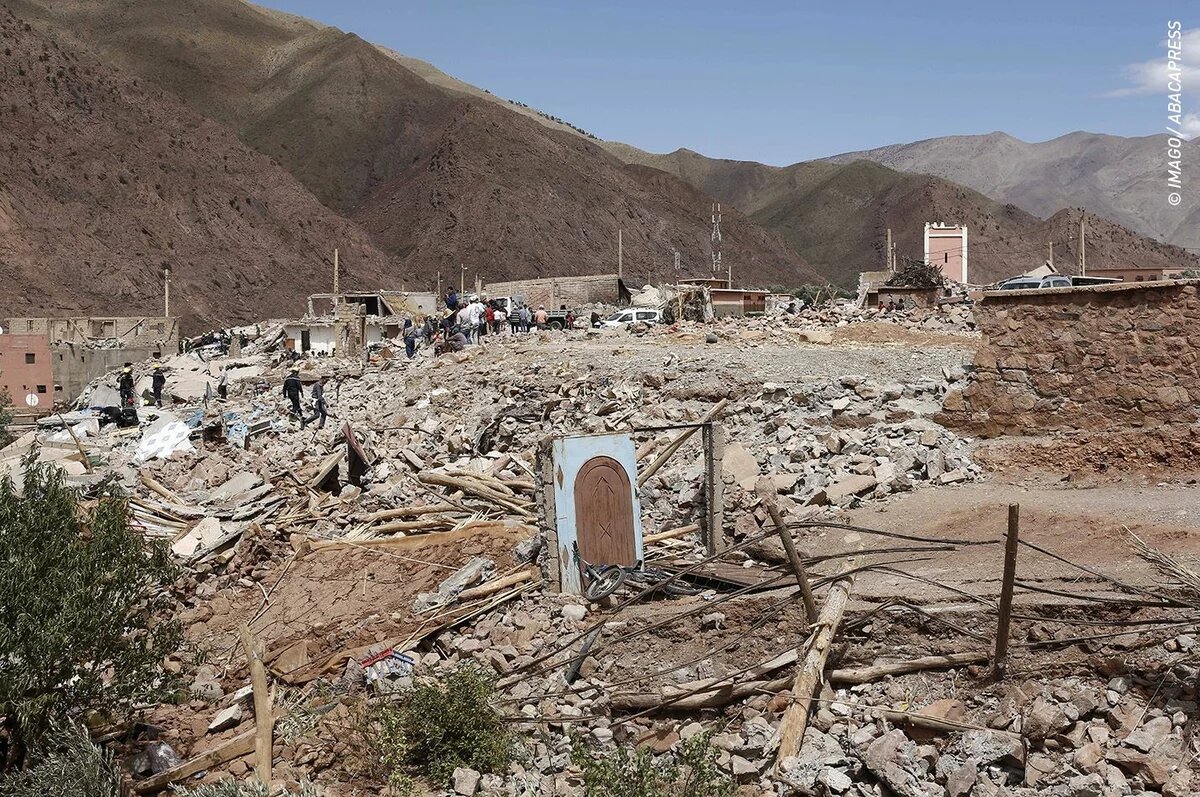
(632, 315)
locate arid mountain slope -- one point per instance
(437, 175)
(1123, 179)
(105, 180)
(837, 215)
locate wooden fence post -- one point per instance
(1000, 663)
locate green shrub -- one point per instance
(690, 772)
(6, 416)
(81, 601)
(434, 727)
(65, 763)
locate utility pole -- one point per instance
(887, 252)
(620, 253)
(715, 244)
(677, 259)
(462, 278)
(167, 291)
(336, 282)
(1082, 245)
(438, 295)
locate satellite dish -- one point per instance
(31, 399)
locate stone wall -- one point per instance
(555, 291)
(1082, 359)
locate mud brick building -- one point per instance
(1083, 359)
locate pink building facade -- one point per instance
(946, 248)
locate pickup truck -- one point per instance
(555, 319)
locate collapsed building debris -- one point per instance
(825, 656)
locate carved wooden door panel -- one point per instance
(604, 513)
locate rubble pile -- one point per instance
(954, 317)
(402, 542)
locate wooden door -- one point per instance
(604, 513)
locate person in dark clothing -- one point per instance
(320, 409)
(125, 385)
(157, 381)
(410, 338)
(595, 319)
(291, 391)
(452, 301)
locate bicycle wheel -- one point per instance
(608, 579)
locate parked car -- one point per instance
(632, 315)
(1029, 283)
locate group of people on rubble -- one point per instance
(892, 305)
(464, 321)
(293, 389)
(125, 385)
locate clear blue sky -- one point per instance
(785, 81)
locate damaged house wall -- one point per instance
(86, 348)
(1066, 359)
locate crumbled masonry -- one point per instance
(403, 541)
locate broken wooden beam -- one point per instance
(766, 493)
(671, 534)
(498, 584)
(808, 678)
(411, 511)
(476, 488)
(864, 675)
(264, 720)
(236, 747)
(678, 442)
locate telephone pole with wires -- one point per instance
(715, 244)
(1082, 244)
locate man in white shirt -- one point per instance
(471, 321)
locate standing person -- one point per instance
(514, 319)
(489, 319)
(157, 381)
(500, 320)
(410, 338)
(320, 409)
(291, 391)
(480, 318)
(525, 318)
(540, 317)
(463, 322)
(125, 385)
(223, 382)
(595, 320)
(452, 300)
